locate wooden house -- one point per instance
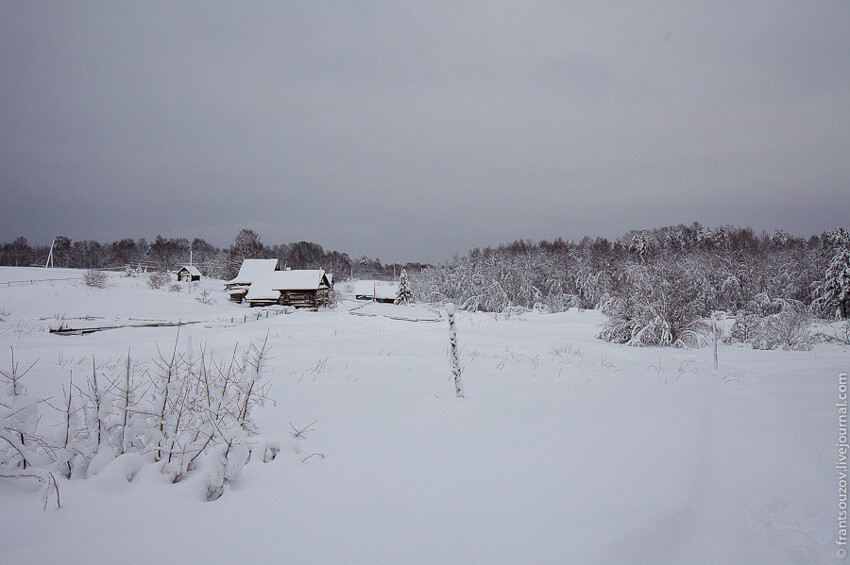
(251, 270)
(188, 273)
(302, 289)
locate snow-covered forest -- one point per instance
(659, 286)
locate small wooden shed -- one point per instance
(188, 273)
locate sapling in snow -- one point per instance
(99, 413)
(129, 428)
(229, 459)
(166, 369)
(23, 453)
(198, 412)
(18, 413)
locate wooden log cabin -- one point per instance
(251, 270)
(301, 289)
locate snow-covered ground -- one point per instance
(566, 449)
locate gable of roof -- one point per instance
(191, 269)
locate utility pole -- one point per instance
(49, 264)
(190, 267)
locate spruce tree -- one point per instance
(404, 294)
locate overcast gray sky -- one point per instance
(412, 131)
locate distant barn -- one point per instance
(374, 292)
(251, 270)
(302, 289)
(188, 273)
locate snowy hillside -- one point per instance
(566, 449)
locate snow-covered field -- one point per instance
(566, 449)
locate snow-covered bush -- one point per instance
(656, 304)
(188, 412)
(787, 329)
(95, 278)
(773, 323)
(156, 280)
(840, 334)
(205, 297)
(745, 327)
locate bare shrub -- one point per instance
(157, 280)
(205, 297)
(95, 278)
(174, 287)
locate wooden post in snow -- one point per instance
(454, 354)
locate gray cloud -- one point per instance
(417, 130)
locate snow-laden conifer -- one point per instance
(404, 294)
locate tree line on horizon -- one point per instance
(169, 254)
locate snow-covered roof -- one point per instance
(253, 269)
(386, 292)
(191, 269)
(258, 291)
(376, 289)
(269, 285)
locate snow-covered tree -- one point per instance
(834, 291)
(660, 303)
(247, 245)
(404, 295)
(640, 245)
